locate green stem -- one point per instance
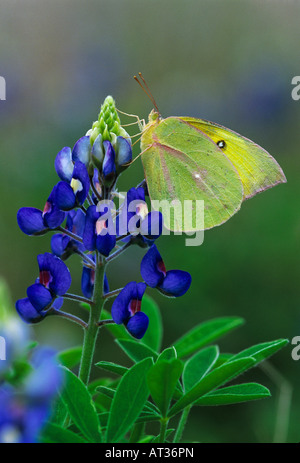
(92, 329)
(163, 429)
(181, 424)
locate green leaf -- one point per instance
(168, 354)
(261, 351)
(153, 336)
(113, 367)
(162, 379)
(149, 407)
(205, 334)
(199, 365)
(156, 440)
(129, 400)
(137, 351)
(54, 434)
(80, 406)
(235, 394)
(70, 358)
(93, 385)
(59, 411)
(214, 379)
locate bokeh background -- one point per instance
(231, 62)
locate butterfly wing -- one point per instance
(257, 169)
(181, 163)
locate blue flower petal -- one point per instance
(87, 282)
(152, 225)
(176, 283)
(59, 244)
(27, 312)
(61, 277)
(82, 150)
(80, 173)
(108, 167)
(30, 220)
(64, 196)
(123, 151)
(76, 222)
(120, 308)
(39, 296)
(105, 285)
(150, 271)
(89, 234)
(138, 324)
(105, 243)
(64, 165)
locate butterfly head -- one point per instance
(154, 116)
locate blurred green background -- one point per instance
(231, 62)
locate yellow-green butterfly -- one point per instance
(185, 158)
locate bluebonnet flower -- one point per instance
(88, 280)
(126, 309)
(54, 280)
(23, 412)
(33, 221)
(66, 158)
(134, 218)
(111, 158)
(63, 245)
(171, 283)
(73, 191)
(99, 232)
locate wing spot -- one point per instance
(221, 144)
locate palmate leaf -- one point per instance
(162, 379)
(213, 380)
(80, 406)
(235, 394)
(199, 365)
(261, 351)
(129, 400)
(205, 333)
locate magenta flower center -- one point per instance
(45, 278)
(47, 208)
(161, 267)
(135, 306)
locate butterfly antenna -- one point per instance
(146, 89)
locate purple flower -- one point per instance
(88, 281)
(172, 283)
(123, 153)
(63, 245)
(135, 219)
(54, 280)
(66, 158)
(33, 221)
(99, 232)
(73, 192)
(23, 412)
(108, 166)
(126, 309)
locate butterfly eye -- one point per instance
(221, 144)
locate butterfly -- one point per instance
(190, 159)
